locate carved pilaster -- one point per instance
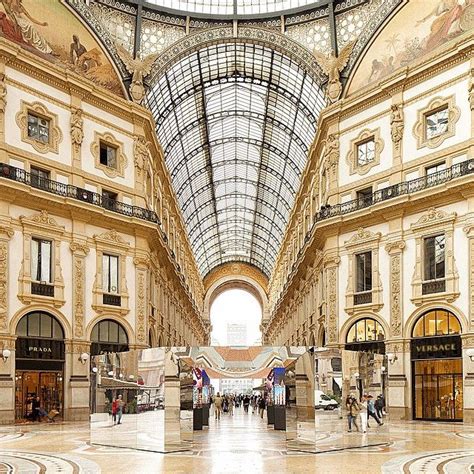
(395, 250)
(141, 269)
(331, 263)
(469, 230)
(6, 233)
(79, 252)
(3, 101)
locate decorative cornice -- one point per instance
(112, 237)
(42, 221)
(362, 237)
(432, 218)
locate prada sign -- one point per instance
(46, 349)
(441, 347)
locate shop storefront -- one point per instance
(366, 339)
(108, 336)
(39, 361)
(437, 367)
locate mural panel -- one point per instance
(419, 28)
(49, 29)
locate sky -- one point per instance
(235, 306)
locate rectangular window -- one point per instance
(39, 178)
(108, 155)
(38, 128)
(436, 123)
(41, 260)
(110, 274)
(434, 257)
(432, 169)
(366, 152)
(109, 199)
(363, 272)
(364, 197)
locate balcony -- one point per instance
(112, 300)
(363, 298)
(433, 286)
(42, 289)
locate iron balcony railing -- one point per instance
(391, 192)
(433, 286)
(363, 297)
(42, 289)
(67, 190)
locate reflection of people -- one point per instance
(120, 406)
(114, 410)
(218, 406)
(353, 410)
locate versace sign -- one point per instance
(442, 347)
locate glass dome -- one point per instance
(233, 7)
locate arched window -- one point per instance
(438, 322)
(39, 325)
(365, 330)
(108, 336)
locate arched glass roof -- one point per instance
(235, 121)
(233, 7)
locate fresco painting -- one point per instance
(419, 28)
(49, 29)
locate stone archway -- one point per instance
(235, 275)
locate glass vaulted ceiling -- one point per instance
(236, 121)
(233, 7)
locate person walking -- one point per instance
(379, 406)
(120, 407)
(114, 410)
(353, 411)
(246, 403)
(231, 405)
(217, 406)
(363, 414)
(261, 406)
(371, 410)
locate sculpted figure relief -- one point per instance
(77, 122)
(396, 123)
(332, 67)
(139, 70)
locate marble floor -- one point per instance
(244, 443)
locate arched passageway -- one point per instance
(236, 316)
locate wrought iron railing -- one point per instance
(74, 192)
(112, 300)
(433, 286)
(391, 192)
(42, 289)
(363, 298)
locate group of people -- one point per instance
(226, 403)
(36, 412)
(363, 409)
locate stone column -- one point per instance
(141, 270)
(399, 388)
(395, 249)
(7, 368)
(76, 376)
(331, 262)
(79, 251)
(468, 378)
